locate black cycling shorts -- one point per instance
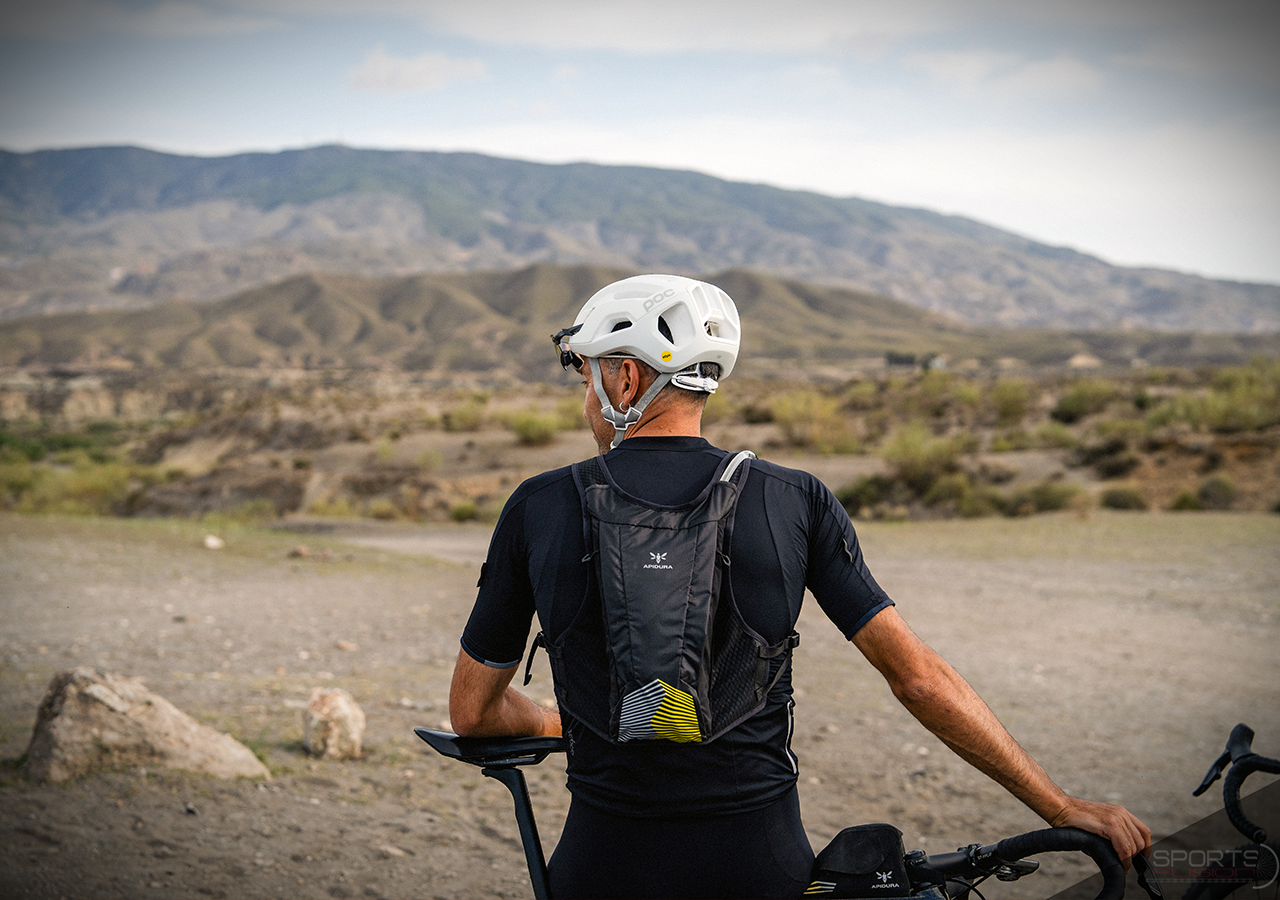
(764, 853)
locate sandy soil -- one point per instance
(1120, 649)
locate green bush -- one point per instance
(534, 429)
(29, 450)
(569, 413)
(982, 501)
(1047, 496)
(1083, 398)
(1186, 501)
(1011, 398)
(951, 488)
(918, 459)
(814, 421)
(1010, 441)
(468, 416)
(870, 491)
(464, 511)
(1218, 492)
(862, 395)
(1241, 398)
(1122, 498)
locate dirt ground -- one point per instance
(1119, 648)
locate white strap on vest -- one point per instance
(738, 460)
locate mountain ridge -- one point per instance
(495, 325)
(128, 227)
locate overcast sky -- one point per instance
(1143, 132)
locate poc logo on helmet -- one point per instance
(658, 298)
(658, 561)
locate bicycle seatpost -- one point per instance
(513, 778)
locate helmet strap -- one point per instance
(621, 421)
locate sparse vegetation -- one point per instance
(814, 421)
(233, 447)
(1129, 498)
(535, 429)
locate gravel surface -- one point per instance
(1120, 649)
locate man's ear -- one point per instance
(628, 383)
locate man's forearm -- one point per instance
(948, 706)
(944, 703)
(482, 703)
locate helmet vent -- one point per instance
(665, 330)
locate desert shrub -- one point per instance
(1083, 398)
(338, 507)
(932, 393)
(757, 413)
(569, 414)
(1011, 398)
(918, 459)
(1054, 435)
(861, 395)
(535, 429)
(1047, 496)
(428, 461)
(1110, 458)
(1217, 492)
(464, 511)
(17, 476)
(383, 508)
(28, 449)
(1239, 398)
(1011, 440)
(468, 416)
(1117, 466)
(1187, 501)
(982, 501)
(966, 394)
(950, 488)
(870, 491)
(1122, 498)
(814, 421)
(1127, 429)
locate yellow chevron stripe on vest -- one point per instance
(676, 718)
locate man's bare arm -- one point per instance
(482, 703)
(944, 703)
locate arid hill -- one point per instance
(498, 323)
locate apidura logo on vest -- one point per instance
(658, 561)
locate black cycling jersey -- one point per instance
(790, 534)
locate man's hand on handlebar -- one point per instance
(1126, 832)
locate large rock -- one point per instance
(332, 725)
(90, 721)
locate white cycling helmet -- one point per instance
(670, 322)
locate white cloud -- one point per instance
(669, 26)
(1008, 75)
(382, 73)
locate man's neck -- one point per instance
(667, 420)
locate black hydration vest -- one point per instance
(658, 649)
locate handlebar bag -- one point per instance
(862, 861)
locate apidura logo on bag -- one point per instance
(885, 881)
(658, 561)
